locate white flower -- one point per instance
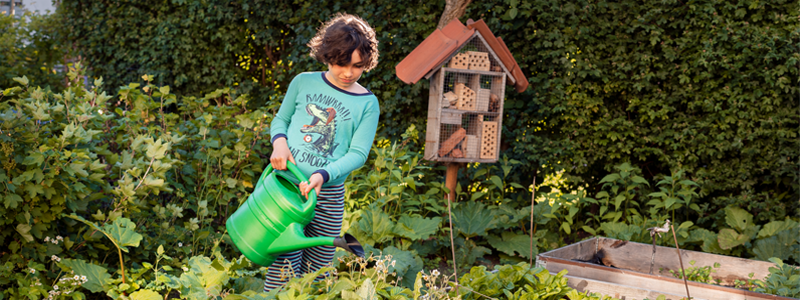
(435, 272)
(77, 277)
(180, 244)
(54, 257)
(58, 237)
(185, 269)
(83, 278)
(46, 239)
(55, 287)
(33, 271)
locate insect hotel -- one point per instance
(468, 68)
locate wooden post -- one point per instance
(451, 179)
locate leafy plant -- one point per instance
(783, 280)
(699, 274)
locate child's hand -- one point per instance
(280, 154)
(315, 182)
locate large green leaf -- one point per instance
(780, 246)
(774, 227)
(417, 228)
(738, 218)
(472, 218)
(514, 244)
(729, 238)
(97, 277)
(210, 277)
(402, 259)
(619, 230)
(122, 230)
(709, 239)
(374, 226)
(145, 295)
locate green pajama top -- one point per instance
(329, 130)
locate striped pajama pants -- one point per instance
(327, 222)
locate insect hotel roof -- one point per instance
(468, 68)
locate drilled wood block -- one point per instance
(472, 146)
(489, 140)
(460, 61)
(452, 141)
(483, 99)
(479, 61)
(466, 97)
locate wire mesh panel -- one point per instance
(469, 88)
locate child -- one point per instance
(326, 125)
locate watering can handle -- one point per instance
(312, 196)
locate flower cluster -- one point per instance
(66, 285)
(55, 258)
(55, 240)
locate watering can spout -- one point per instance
(293, 239)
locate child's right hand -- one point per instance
(280, 154)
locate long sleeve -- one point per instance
(360, 145)
(280, 123)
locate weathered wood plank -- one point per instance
(629, 262)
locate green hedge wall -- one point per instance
(707, 86)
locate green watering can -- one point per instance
(271, 221)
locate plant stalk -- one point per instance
(680, 259)
(533, 197)
(453, 244)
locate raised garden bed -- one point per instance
(622, 269)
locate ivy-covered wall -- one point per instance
(707, 86)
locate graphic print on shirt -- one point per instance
(324, 125)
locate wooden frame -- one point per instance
(628, 274)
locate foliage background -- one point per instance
(637, 112)
(707, 86)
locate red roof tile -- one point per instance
(433, 51)
(499, 47)
(440, 44)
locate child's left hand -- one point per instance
(315, 182)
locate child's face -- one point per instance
(345, 76)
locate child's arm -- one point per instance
(360, 145)
(278, 127)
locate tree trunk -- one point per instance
(11, 13)
(453, 10)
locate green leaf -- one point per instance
(729, 238)
(25, 231)
(12, 200)
(123, 231)
(472, 218)
(513, 244)
(640, 180)
(619, 230)
(417, 228)
(772, 228)
(97, 276)
(609, 178)
(22, 80)
(402, 259)
(145, 295)
(497, 181)
(779, 246)
(374, 226)
(738, 218)
(157, 149)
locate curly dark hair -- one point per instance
(340, 36)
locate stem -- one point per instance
(533, 197)
(686, 284)
(121, 264)
(452, 244)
